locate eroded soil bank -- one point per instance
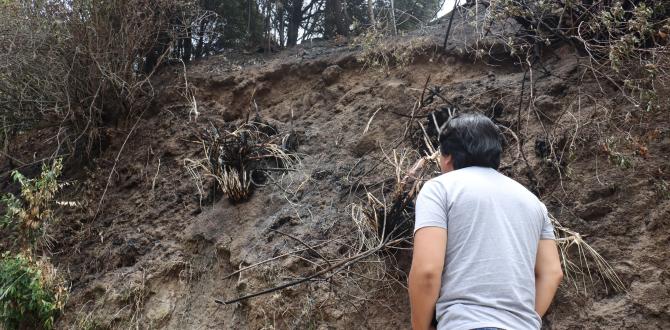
(157, 253)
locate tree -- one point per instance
(294, 21)
(337, 19)
(412, 13)
(227, 23)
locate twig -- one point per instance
(367, 127)
(518, 142)
(334, 268)
(438, 94)
(303, 243)
(417, 106)
(451, 20)
(423, 91)
(293, 283)
(12, 158)
(158, 168)
(395, 29)
(116, 161)
(33, 163)
(272, 259)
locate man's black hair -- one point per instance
(471, 139)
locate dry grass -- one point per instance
(588, 265)
(82, 65)
(625, 43)
(582, 264)
(239, 158)
(382, 53)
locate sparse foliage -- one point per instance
(380, 53)
(588, 265)
(625, 42)
(32, 293)
(81, 64)
(30, 214)
(87, 65)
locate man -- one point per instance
(484, 249)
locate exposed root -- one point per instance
(589, 262)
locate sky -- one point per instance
(448, 6)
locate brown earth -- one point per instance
(154, 255)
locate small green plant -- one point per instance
(616, 157)
(662, 189)
(621, 160)
(29, 215)
(31, 293)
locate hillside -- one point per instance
(154, 243)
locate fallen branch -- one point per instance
(451, 20)
(334, 268)
(272, 259)
(309, 247)
(116, 161)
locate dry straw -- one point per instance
(238, 159)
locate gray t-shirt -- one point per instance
(494, 226)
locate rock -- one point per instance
(592, 211)
(337, 313)
(331, 74)
(547, 103)
(363, 146)
(161, 305)
(548, 106)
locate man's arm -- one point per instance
(425, 277)
(548, 275)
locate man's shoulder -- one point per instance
(467, 174)
(478, 178)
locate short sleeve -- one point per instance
(547, 227)
(431, 206)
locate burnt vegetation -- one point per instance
(86, 66)
(83, 70)
(243, 156)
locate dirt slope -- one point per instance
(156, 256)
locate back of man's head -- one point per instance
(471, 139)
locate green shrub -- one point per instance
(31, 295)
(29, 215)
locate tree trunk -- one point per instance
(281, 22)
(268, 28)
(294, 21)
(336, 19)
(249, 17)
(201, 41)
(187, 46)
(371, 13)
(395, 29)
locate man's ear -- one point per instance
(446, 163)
